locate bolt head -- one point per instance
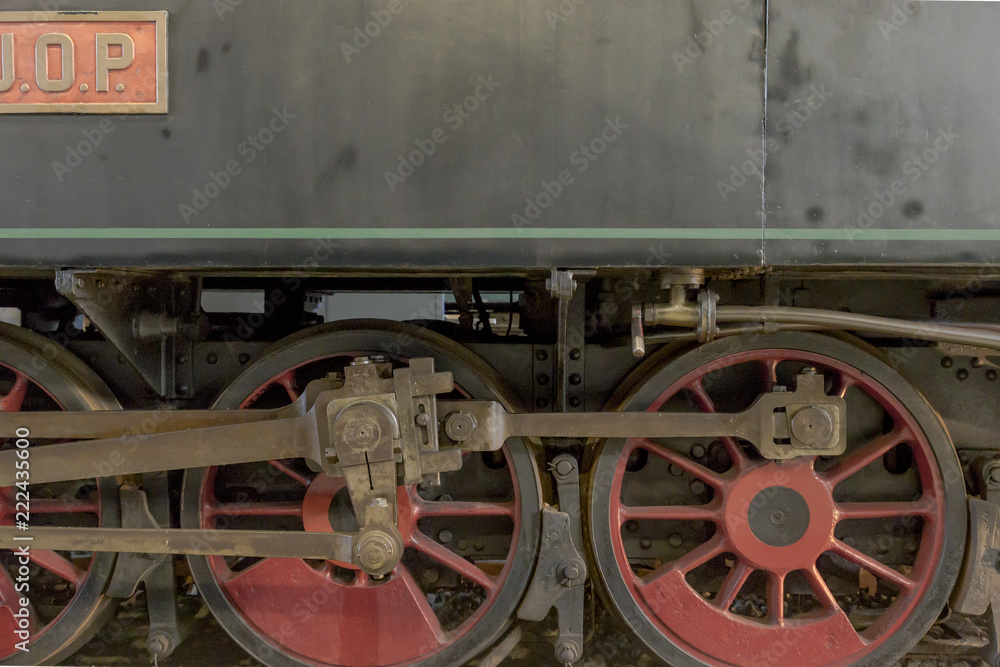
(564, 467)
(994, 475)
(812, 426)
(568, 652)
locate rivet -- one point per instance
(947, 362)
(25, 88)
(120, 87)
(84, 87)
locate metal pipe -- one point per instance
(739, 330)
(830, 319)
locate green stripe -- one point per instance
(400, 233)
(379, 233)
(883, 234)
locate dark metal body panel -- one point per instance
(349, 109)
(898, 162)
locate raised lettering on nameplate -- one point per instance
(83, 62)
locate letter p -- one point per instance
(106, 62)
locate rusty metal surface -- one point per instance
(259, 543)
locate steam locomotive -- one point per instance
(696, 331)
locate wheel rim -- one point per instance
(65, 591)
(741, 541)
(434, 605)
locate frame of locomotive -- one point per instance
(388, 425)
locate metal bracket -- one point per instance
(978, 587)
(152, 322)
(570, 314)
(131, 568)
(561, 570)
(161, 594)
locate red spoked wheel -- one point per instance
(714, 555)
(65, 591)
(470, 543)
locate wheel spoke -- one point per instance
(450, 508)
(420, 604)
(769, 373)
(287, 380)
(57, 565)
(254, 509)
(875, 567)
(706, 404)
(58, 506)
(700, 555)
(819, 587)
(682, 462)
(865, 455)
(14, 398)
(11, 598)
(298, 477)
(776, 598)
(452, 561)
(923, 507)
(670, 513)
(737, 576)
(844, 382)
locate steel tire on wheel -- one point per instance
(397, 341)
(73, 386)
(665, 626)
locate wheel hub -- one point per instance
(780, 517)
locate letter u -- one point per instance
(6, 62)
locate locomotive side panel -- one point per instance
(461, 133)
(882, 131)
